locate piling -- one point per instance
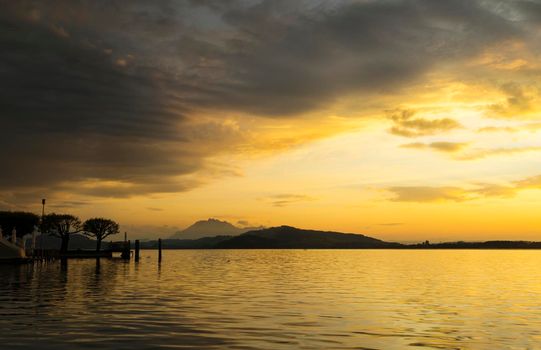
(159, 250)
(136, 250)
(126, 251)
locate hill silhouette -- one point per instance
(210, 228)
(287, 237)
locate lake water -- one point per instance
(277, 299)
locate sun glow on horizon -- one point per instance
(426, 130)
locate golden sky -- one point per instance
(403, 120)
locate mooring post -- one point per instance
(159, 250)
(136, 250)
(126, 249)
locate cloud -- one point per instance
(391, 224)
(285, 199)
(446, 147)
(245, 224)
(59, 31)
(154, 209)
(494, 190)
(407, 125)
(532, 127)
(530, 11)
(476, 154)
(428, 194)
(497, 129)
(519, 102)
(533, 182)
(69, 204)
(104, 99)
(461, 150)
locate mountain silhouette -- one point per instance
(210, 228)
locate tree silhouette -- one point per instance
(62, 226)
(100, 228)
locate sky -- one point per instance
(401, 119)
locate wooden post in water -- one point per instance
(126, 251)
(136, 250)
(159, 250)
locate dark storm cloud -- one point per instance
(530, 10)
(108, 90)
(70, 113)
(306, 60)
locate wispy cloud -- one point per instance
(154, 209)
(407, 125)
(69, 204)
(511, 129)
(391, 224)
(446, 147)
(484, 153)
(519, 102)
(463, 151)
(427, 194)
(285, 199)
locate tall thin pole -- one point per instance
(42, 233)
(136, 250)
(159, 250)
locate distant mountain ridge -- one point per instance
(287, 237)
(211, 228)
(281, 237)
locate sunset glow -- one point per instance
(404, 121)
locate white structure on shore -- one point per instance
(10, 250)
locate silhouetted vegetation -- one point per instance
(62, 226)
(23, 222)
(100, 228)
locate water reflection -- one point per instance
(276, 299)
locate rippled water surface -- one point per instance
(277, 299)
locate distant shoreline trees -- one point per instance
(23, 222)
(62, 226)
(65, 225)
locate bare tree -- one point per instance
(62, 226)
(100, 228)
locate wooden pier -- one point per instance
(123, 248)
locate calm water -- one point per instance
(272, 299)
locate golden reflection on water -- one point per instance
(277, 299)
